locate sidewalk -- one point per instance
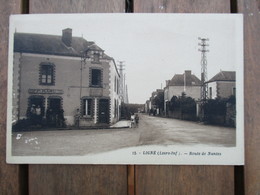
(121, 124)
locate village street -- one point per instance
(150, 131)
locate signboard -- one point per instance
(45, 91)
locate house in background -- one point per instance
(222, 85)
(64, 73)
(186, 82)
(156, 102)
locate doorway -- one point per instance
(55, 113)
(35, 110)
(103, 111)
(54, 103)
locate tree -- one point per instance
(158, 101)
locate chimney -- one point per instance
(187, 77)
(167, 82)
(67, 36)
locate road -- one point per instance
(150, 131)
(165, 131)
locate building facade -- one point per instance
(186, 82)
(67, 74)
(222, 85)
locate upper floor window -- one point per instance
(96, 77)
(47, 74)
(96, 57)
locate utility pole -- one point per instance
(204, 77)
(126, 95)
(121, 81)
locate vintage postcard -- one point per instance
(126, 89)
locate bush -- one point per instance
(183, 107)
(184, 104)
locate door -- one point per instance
(103, 111)
(55, 115)
(55, 104)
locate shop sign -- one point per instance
(45, 91)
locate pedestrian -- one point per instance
(77, 118)
(38, 112)
(61, 119)
(31, 114)
(136, 119)
(133, 122)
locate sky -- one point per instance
(154, 47)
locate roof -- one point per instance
(178, 80)
(224, 76)
(52, 45)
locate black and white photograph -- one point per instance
(126, 89)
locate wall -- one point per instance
(213, 86)
(191, 91)
(67, 78)
(114, 92)
(225, 88)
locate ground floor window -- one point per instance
(210, 92)
(87, 107)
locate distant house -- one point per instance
(222, 85)
(147, 106)
(64, 73)
(186, 82)
(156, 101)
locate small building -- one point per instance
(156, 102)
(186, 82)
(67, 74)
(222, 85)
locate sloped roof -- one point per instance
(224, 76)
(178, 80)
(51, 44)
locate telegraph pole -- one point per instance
(204, 77)
(121, 81)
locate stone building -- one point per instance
(186, 82)
(64, 73)
(222, 85)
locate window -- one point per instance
(96, 78)
(234, 91)
(115, 83)
(115, 109)
(117, 89)
(210, 92)
(87, 107)
(96, 57)
(47, 74)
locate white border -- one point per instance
(229, 155)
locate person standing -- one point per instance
(77, 118)
(38, 112)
